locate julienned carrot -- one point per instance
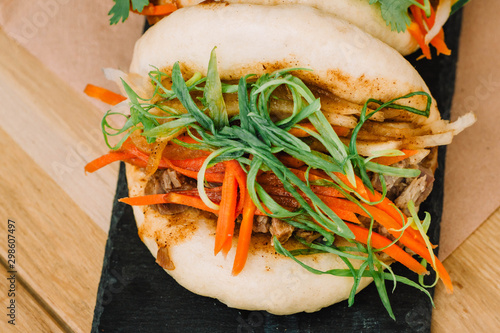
(388, 160)
(241, 178)
(227, 211)
(107, 159)
(172, 197)
(390, 209)
(103, 94)
(394, 251)
(419, 36)
(423, 251)
(439, 43)
(346, 215)
(158, 10)
(164, 163)
(244, 235)
(360, 187)
(386, 205)
(321, 175)
(290, 161)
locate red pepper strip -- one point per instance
(227, 211)
(107, 159)
(210, 177)
(164, 163)
(195, 164)
(171, 197)
(159, 10)
(388, 160)
(244, 236)
(103, 94)
(394, 251)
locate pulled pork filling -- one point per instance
(399, 189)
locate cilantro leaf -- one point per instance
(395, 13)
(121, 9)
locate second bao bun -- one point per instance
(346, 62)
(361, 13)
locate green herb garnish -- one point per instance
(121, 9)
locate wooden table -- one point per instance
(47, 133)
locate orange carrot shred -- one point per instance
(419, 36)
(439, 43)
(244, 236)
(227, 211)
(388, 160)
(104, 160)
(158, 10)
(103, 95)
(394, 251)
(171, 197)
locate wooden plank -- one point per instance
(473, 307)
(57, 127)
(30, 315)
(60, 249)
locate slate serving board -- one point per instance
(136, 295)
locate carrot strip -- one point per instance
(234, 167)
(360, 187)
(346, 215)
(227, 211)
(389, 208)
(159, 10)
(103, 95)
(244, 236)
(388, 160)
(386, 205)
(290, 161)
(107, 159)
(423, 251)
(419, 36)
(171, 197)
(394, 251)
(439, 43)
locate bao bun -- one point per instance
(256, 39)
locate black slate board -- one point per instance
(136, 295)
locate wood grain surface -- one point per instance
(47, 134)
